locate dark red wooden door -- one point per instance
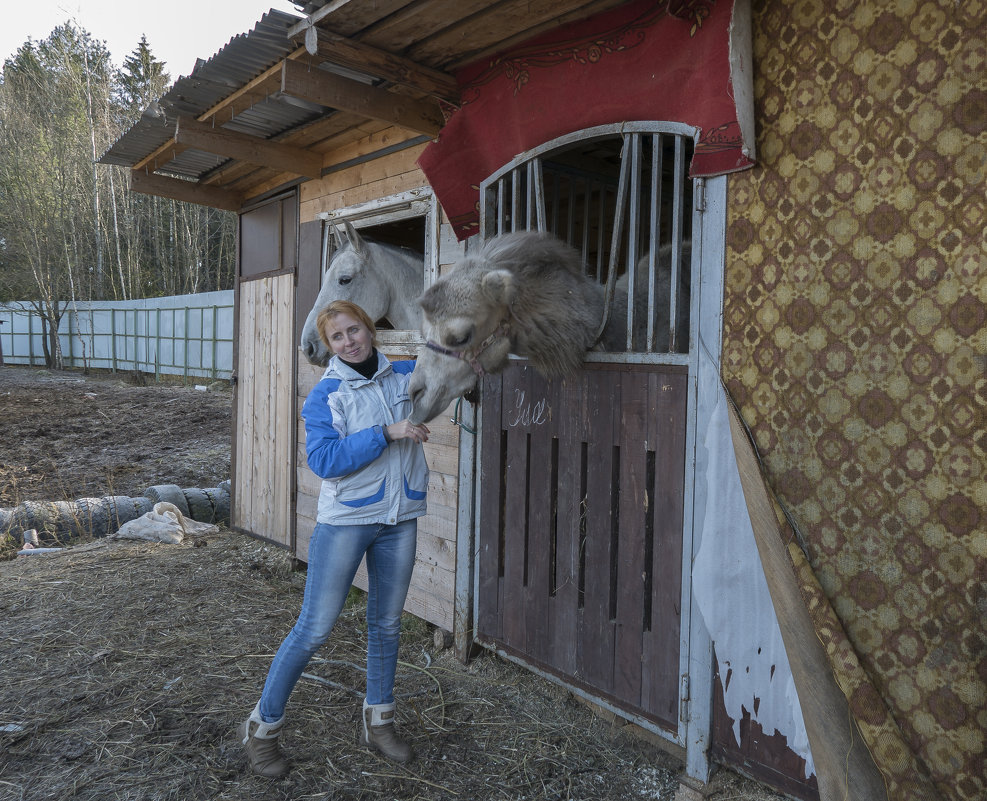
(580, 541)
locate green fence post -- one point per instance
(185, 358)
(215, 339)
(113, 339)
(157, 344)
(136, 368)
(68, 324)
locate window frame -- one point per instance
(496, 189)
(411, 204)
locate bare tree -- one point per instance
(69, 228)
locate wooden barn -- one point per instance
(759, 530)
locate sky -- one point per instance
(178, 32)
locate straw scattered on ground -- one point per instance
(125, 668)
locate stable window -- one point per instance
(619, 194)
(408, 220)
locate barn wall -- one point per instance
(432, 592)
(855, 345)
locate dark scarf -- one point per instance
(367, 368)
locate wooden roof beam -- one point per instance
(252, 149)
(344, 94)
(265, 84)
(336, 49)
(148, 183)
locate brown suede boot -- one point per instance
(378, 733)
(260, 740)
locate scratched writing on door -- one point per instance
(526, 413)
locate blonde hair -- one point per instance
(344, 307)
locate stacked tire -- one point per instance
(98, 517)
(202, 505)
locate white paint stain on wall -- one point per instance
(733, 598)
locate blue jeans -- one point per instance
(334, 554)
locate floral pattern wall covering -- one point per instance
(855, 343)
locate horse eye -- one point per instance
(458, 342)
(345, 279)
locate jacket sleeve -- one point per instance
(329, 454)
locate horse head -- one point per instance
(382, 279)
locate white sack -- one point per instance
(164, 524)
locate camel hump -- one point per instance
(533, 254)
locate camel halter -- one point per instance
(471, 356)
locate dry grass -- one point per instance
(125, 668)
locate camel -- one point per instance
(525, 293)
(385, 280)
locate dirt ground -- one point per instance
(125, 667)
(67, 435)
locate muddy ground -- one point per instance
(66, 435)
(125, 667)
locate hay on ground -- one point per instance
(125, 668)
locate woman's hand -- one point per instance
(405, 429)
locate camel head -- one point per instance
(463, 323)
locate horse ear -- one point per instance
(499, 286)
(337, 236)
(356, 241)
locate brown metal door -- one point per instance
(580, 539)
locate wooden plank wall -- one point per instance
(368, 180)
(264, 408)
(432, 592)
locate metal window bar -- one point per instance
(632, 143)
(657, 153)
(536, 191)
(616, 235)
(516, 201)
(678, 204)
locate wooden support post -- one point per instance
(845, 769)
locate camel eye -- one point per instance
(458, 342)
(345, 279)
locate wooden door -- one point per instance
(580, 536)
(264, 425)
(583, 482)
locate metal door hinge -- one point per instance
(700, 194)
(684, 697)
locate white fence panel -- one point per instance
(188, 335)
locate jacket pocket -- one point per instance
(357, 494)
(415, 493)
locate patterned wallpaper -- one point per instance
(855, 344)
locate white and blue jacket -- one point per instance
(365, 479)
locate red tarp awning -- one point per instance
(642, 61)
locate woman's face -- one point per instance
(349, 338)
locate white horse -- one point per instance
(384, 280)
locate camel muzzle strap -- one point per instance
(471, 357)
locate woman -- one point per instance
(374, 479)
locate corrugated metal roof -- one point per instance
(239, 62)
(440, 35)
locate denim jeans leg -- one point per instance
(390, 562)
(334, 555)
